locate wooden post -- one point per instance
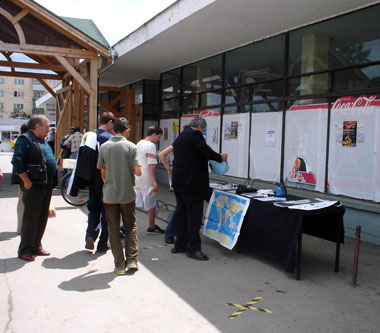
(93, 98)
(356, 256)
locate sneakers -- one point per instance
(120, 270)
(89, 243)
(132, 264)
(155, 230)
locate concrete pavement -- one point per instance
(75, 290)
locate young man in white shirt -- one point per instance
(146, 184)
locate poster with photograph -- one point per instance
(354, 161)
(305, 145)
(265, 153)
(170, 128)
(349, 133)
(235, 143)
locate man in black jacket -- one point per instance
(191, 185)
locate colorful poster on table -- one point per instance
(224, 217)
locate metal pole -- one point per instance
(356, 256)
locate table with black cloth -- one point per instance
(276, 233)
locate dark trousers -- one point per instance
(170, 228)
(96, 215)
(189, 218)
(36, 211)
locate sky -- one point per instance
(114, 18)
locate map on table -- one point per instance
(224, 217)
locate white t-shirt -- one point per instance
(147, 155)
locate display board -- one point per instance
(354, 161)
(235, 142)
(305, 145)
(265, 149)
(170, 128)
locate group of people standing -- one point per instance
(121, 177)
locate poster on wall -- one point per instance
(265, 151)
(305, 145)
(235, 142)
(354, 160)
(170, 128)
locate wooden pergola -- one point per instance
(68, 53)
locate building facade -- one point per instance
(300, 106)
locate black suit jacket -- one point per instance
(191, 156)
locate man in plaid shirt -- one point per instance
(74, 141)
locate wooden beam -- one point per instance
(48, 50)
(20, 15)
(93, 99)
(47, 87)
(30, 65)
(76, 76)
(62, 26)
(10, 18)
(32, 75)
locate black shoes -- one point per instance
(197, 255)
(169, 240)
(175, 250)
(155, 230)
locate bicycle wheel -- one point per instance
(79, 200)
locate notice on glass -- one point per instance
(349, 133)
(270, 138)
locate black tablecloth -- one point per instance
(272, 232)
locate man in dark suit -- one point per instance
(191, 184)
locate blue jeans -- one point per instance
(96, 215)
(170, 229)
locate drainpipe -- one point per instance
(113, 54)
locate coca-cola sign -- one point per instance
(352, 102)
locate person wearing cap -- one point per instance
(74, 140)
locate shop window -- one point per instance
(190, 102)
(237, 95)
(170, 104)
(354, 147)
(305, 144)
(257, 62)
(268, 107)
(357, 78)
(267, 90)
(327, 45)
(210, 99)
(138, 87)
(308, 85)
(171, 84)
(203, 75)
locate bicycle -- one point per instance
(78, 200)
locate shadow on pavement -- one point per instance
(72, 261)
(7, 235)
(87, 282)
(11, 264)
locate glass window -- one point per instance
(257, 62)
(138, 87)
(1, 106)
(1, 80)
(308, 85)
(171, 83)
(170, 104)
(1, 93)
(268, 90)
(268, 107)
(357, 78)
(327, 45)
(151, 91)
(203, 75)
(191, 102)
(237, 95)
(237, 109)
(211, 98)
